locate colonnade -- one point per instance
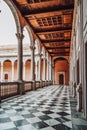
(40, 69)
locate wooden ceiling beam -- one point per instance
(58, 31)
(44, 30)
(52, 48)
(59, 52)
(59, 55)
(50, 41)
(61, 42)
(45, 10)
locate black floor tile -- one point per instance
(61, 127)
(44, 117)
(3, 120)
(63, 113)
(21, 122)
(48, 112)
(40, 125)
(28, 115)
(13, 129)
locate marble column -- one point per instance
(20, 56)
(48, 69)
(33, 66)
(12, 70)
(44, 68)
(20, 62)
(32, 63)
(2, 71)
(40, 69)
(79, 97)
(53, 72)
(24, 70)
(80, 37)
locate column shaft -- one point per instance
(1, 71)
(20, 63)
(44, 68)
(12, 71)
(32, 63)
(40, 69)
(20, 56)
(24, 71)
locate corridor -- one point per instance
(43, 109)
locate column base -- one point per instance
(41, 84)
(79, 97)
(34, 85)
(74, 90)
(21, 89)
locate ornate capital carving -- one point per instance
(32, 47)
(40, 54)
(19, 35)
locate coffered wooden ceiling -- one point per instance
(51, 21)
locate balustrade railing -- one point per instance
(37, 83)
(28, 86)
(8, 89)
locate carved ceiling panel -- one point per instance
(51, 22)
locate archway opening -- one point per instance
(61, 71)
(7, 25)
(61, 79)
(7, 72)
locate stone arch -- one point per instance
(15, 14)
(7, 59)
(61, 68)
(37, 46)
(60, 58)
(28, 69)
(43, 50)
(30, 35)
(15, 59)
(7, 72)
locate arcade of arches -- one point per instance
(56, 56)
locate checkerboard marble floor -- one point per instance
(47, 108)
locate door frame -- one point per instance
(62, 72)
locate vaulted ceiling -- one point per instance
(51, 21)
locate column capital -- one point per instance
(19, 35)
(40, 54)
(32, 47)
(12, 63)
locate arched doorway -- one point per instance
(61, 71)
(61, 79)
(7, 70)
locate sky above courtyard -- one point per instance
(8, 26)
